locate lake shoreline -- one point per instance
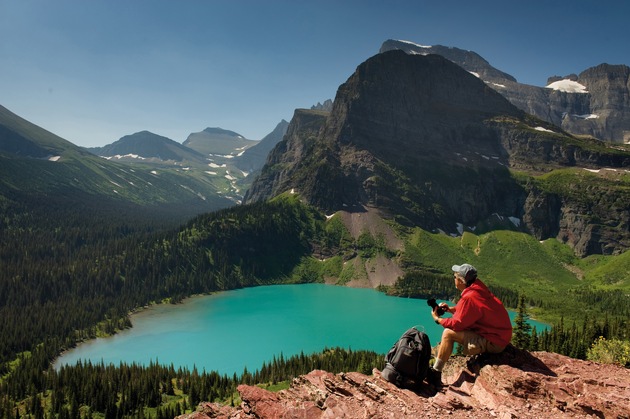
(281, 319)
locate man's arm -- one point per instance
(465, 316)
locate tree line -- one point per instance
(86, 389)
(576, 339)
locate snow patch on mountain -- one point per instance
(125, 156)
(568, 86)
(587, 116)
(417, 45)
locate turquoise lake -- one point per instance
(231, 330)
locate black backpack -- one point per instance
(407, 362)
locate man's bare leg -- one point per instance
(449, 337)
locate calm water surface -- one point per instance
(231, 330)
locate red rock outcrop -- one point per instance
(515, 384)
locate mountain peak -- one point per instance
(146, 145)
(218, 141)
(221, 131)
(396, 112)
(469, 60)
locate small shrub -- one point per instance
(613, 351)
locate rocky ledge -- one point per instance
(515, 384)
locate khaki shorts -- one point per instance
(475, 344)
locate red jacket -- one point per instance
(481, 312)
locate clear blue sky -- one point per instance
(93, 71)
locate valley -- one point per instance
(416, 165)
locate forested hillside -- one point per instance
(64, 274)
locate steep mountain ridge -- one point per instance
(429, 144)
(599, 108)
(21, 138)
(368, 129)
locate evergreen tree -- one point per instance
(534, 344)
(520, 336)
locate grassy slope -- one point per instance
(93, 176)
(608, 272)
(547, 272)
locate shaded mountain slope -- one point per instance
(21, 138)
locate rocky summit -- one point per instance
(514, 384)
(595, 102)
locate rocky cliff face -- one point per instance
(596, 102)
(609, 99)
(515, 384)
(428, 143)
(286, 166)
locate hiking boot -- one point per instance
(434, 377)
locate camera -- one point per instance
(431, 303)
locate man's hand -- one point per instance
(445, 307)
(434, 313)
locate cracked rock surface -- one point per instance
(514, 384)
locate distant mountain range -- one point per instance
(212, 144)
(36, 163)
(210, 170)
(596, 102)
(225, 157)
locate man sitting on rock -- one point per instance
(479, 323)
